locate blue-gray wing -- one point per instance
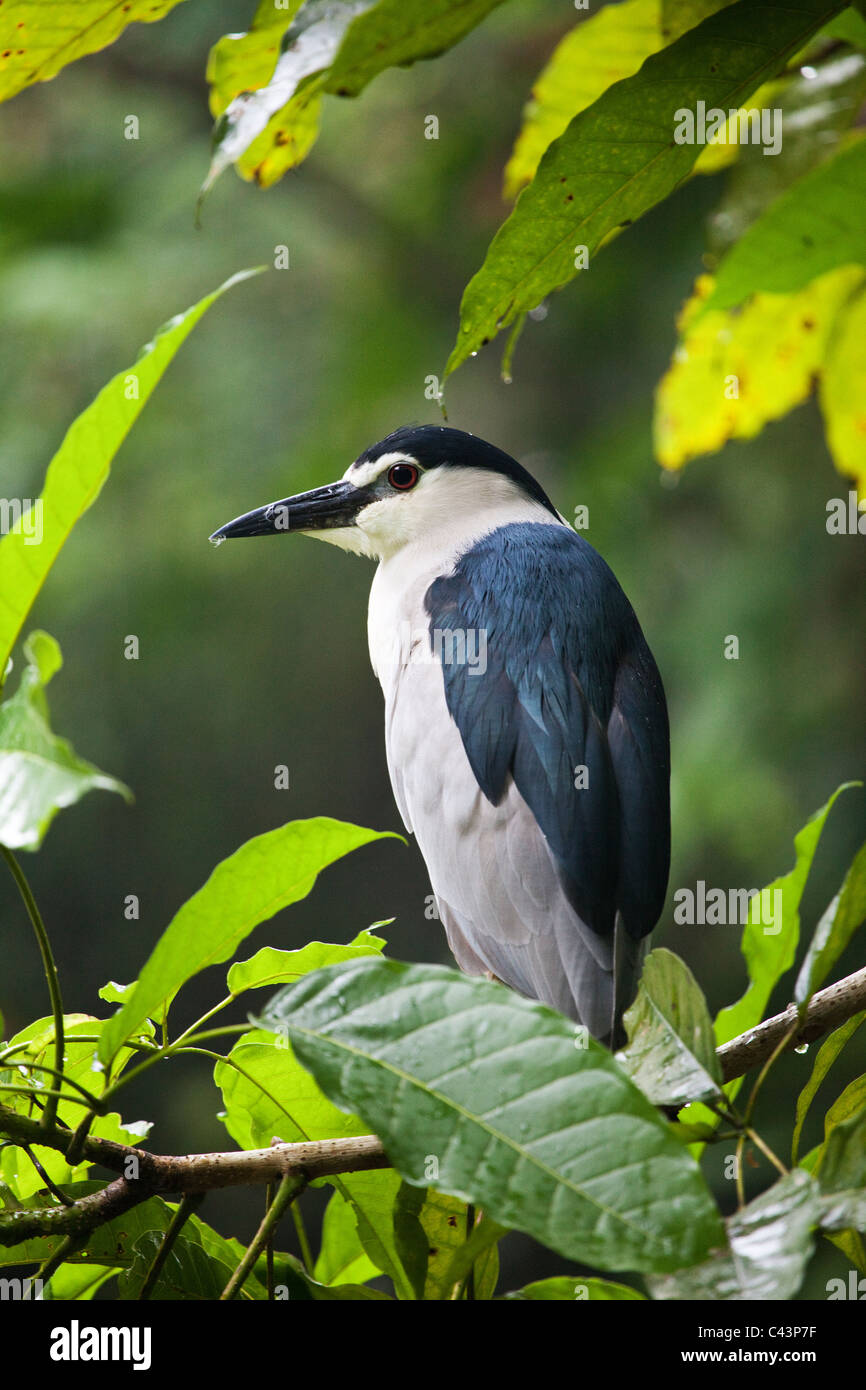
(567, 706)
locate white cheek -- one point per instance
(348, 538)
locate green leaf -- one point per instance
(266, 1093)
(671, 1054)
(80, 1283)
(341, 1258)
(39, 37)
(770, 1246)
(467, 1086)
(845, 914)
(816, 225)
(841, 1162)
(841, 395)
(293, 1283)
(272, 967)
(81, 466)
(619, 158)
(605, 48)
(770, 952)
(563, 1289)
(263, 876)
(39, 772)
(335, 46)
(373, 1196)
(827, 1054)
(113, 993)
(190, 1272)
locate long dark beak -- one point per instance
(335, 505)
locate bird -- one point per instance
(526, 726)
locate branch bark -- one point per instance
(147, 1174)
(827, 1010)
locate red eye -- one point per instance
(402, 476)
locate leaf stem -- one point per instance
(184, 1211)
(290, 1187)
(52, 979)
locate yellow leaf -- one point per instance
(842, 393)
(39, 37)
(244, 62)
(734, 370)
(604, 49)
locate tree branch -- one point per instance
(148, 1174)
(827, 1010)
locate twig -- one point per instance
(291, 1187)
(827, 1010)
(52, 979)
(176, 1225)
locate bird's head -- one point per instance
(418, 480)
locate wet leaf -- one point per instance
(671, 1053)
(463, 1072)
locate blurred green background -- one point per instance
(253, 656)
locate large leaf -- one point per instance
(81, 465)
(771, 1242)
(39, 37)
(266, 874)
(845, 914)
(39, 772)
(827, 1054)
(483, 1094)
(671, 1054)
(735, 370)
(605, 48)
(619, 158)
(816, 225)
(335, 46)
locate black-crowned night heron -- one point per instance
(525, 720)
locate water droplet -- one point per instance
(808, 73)
(804, 1047)
(507, 378)
(217, 540)
(473, 354)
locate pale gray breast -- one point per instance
(495, 880)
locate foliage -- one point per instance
(467, 1085)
